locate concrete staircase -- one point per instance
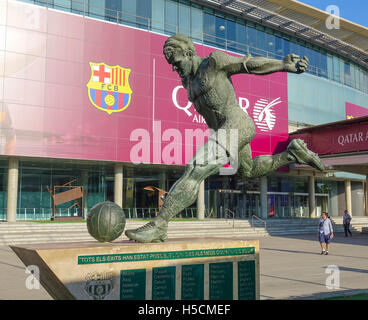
(31, 232)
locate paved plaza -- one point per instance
(291, 268)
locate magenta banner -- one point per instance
(80, 88)
(354, 111)
(338, 139)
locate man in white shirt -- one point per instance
(325, 232)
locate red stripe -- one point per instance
(121, 101)
(112, 75)
(98, 98)
(124, 78)
(119, 77)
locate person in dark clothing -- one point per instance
(346, 223)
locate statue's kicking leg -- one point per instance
(206, 162)
(297, 152)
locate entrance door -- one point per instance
(253, 204)
(218, 202)
(279, 205)
(321, 204)
(300, 206)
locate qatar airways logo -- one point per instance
(264, 113)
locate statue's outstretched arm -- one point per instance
(291, 63)
(257, 65)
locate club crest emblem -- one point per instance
(108, 87)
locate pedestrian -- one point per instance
(346, 222)
(325, 232)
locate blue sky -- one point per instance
(353, 10)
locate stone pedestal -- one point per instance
(181, 269)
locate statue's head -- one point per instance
(179, 51)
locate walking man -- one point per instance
(346, 223)
(325, 232)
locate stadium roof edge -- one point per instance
(302, 21)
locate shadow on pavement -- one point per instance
(312, 253)
(352, 269)
(358, 239)
(332, 294)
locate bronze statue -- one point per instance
(209, 87)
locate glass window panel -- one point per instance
(231, 35)
(342, 70)
(143, 13)
(286, 47)
(330, 66)
(197, 23)
(209, 29)
(96, 8)
(171, 17)
(252, 37)
(184, 19)
(129, 12)
(241, 38)
(158, 15)
(336, 68)
(261, 40)
(220, 31)
(63, 5)
(112, 9)
(361, 81)
(356, 77)
(270, 43)
(279, 50)
(79, 6)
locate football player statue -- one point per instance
(209, 87)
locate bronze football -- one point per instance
(106, 221)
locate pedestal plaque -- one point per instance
(246, 280)
(192, 282)
(221, 281)
(133, 284)
(190, 269)
(163, 283)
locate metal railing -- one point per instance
(124, 18)
(232, 215)
(259, 219)
(27, 214)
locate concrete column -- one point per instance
(200, 202)
(366, 196)
(84, 181)
(162, 181)
(312, 197)
(264, 197)
(348, 197)
(12, 192)
(118, 184)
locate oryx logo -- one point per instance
(264, 114)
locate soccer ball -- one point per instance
(106, 221)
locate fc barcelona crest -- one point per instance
(108, 87)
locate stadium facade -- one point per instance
(87, 97)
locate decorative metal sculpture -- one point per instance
(209, 87)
